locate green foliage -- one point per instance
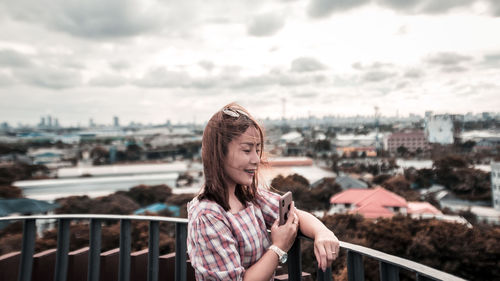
(9, 192)
(146, 195)
(471, 253)
(467, 183)
(307, 198)
(16, 172)
(401, 186)
(116, 203)
(6, 148)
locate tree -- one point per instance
(402, 151)
(322, 145)
(470, 253)
(133, 152)
(9, 192)
(99, 156)
(321, 194)
(16, 172)
(401, 186)
(298, 185)
(146, 195)
(467, 183)
(114, 204)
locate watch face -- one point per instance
(284, 258)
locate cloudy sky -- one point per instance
(151, 61)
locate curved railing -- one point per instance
(389, 265)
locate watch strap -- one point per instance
(282, 255)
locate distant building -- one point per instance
(4, 126)
(347, 182)
(116, 121)
(495, 184)
(292, 144)
(444, 129)
(413, 141)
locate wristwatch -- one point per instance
(282, 255)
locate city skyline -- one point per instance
(149, 61)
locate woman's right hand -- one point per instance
(284, 235)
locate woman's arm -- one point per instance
(326, 244)
(283, 237)
(264, 268)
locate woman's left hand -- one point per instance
(326, 248)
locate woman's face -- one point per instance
(243, 157)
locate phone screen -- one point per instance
(285, 204)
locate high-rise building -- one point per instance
(49, 121)
(444, 129)
(495, 184)
(116, 121)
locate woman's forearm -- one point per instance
(263, 269)
(309, 225)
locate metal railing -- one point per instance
(389, 265)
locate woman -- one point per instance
(228, 220)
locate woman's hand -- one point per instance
(326, 248)
(284, 235)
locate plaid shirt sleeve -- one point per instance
(213, 249)
(269, 205)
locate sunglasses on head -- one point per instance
(233, 112)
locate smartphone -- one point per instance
(285, 204)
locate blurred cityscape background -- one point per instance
(381, 116)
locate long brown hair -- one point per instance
(225, 125)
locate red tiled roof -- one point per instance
(371, 203)
(422, 208)
(373, 210)
(290, 161)
(362, 197)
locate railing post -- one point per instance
(94, 250)
(124, 260)
(294, 262)
(180, 251)
(27, 250)
(153, 251)
(61, 270)
(388, 272)
(325, 275)
(355, 268)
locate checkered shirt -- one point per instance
(222, 245)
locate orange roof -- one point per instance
(371, 203)
(290, 161)
(362, 197)
(422, 208)
(373, 210)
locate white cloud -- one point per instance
(49, 77)
(448, 59)
(266, 24)
(306, 64)
(10, 58)
(149, 61)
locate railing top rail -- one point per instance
(401, 262)
(96, 216)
